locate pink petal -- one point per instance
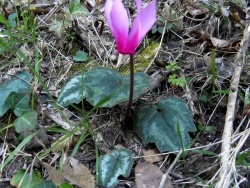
(107, 10)
(142, 24)
(147, 18)
(138, 5)
(134, 36)
(120, 24)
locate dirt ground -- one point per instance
(187, 33)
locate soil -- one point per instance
(199, 29)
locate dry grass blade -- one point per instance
(164, 177)
(225, 173)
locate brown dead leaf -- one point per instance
(220, 43)
(234, 46)
(200, 35)
(151, 156)
(54, 174)
(236, 12)
(208, 60)
(66, 143)
(149, 176)
(67, 125)
(77, 173)
(195, 10)
(98, 2)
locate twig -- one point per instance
(164, 177)
(228, 127)
(159, 47)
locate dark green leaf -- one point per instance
(157, 123)
(72, 92)
(160, 29)
(112, 165)
(12, 19)
(169, 25)
(101, 82)
(80, 56)
(76, 8)
(242, 158)
(26, 180)
(19, 102)
(154, 30)
(27, 121)
(18, 84)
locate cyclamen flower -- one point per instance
(127, 39)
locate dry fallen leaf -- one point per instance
(149, 176)
(208, 60)
(67, 125)
(77, 173)
(219, 43)
(151, 156)
(195, 11)
(65, 143)
(54, 174)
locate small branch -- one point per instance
(159, 47)
(131, 87)
(225, 172)
(165, 176)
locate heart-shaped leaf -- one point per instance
(27, 121)
(112, 165)
(57, 27)
(77, 173)
(72, 92)
(101, 82)
(19, 102)
(80, 56)
(77, 9)
(18, 84)
(26, 180)
(165, 123)
(13, 19)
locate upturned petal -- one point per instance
(107, 10)
(138, 5)
(142, 24)
(147, 18)
(120, 25)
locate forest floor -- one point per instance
(196, 51)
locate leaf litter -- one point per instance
(192, 30)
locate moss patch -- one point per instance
(142, 60)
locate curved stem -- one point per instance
(131, 88)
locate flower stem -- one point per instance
(131, 88)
